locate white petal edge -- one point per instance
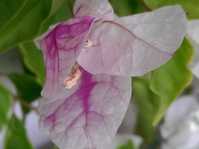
(193, 35)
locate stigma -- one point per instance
(71, 80)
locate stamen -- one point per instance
(71, 80)
(88, 43)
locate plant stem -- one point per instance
(25, 104)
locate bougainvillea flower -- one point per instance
(183, 135)
(89, 60)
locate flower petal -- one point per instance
(134, 45)
(96, 8)
(60, 48)
(180, 127)
(193, 34)
(92, 111)
(193, 30)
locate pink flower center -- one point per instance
(88, 43)
(72, 79)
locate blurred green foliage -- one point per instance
(27, 87)
(24, 24)
(154, 92)
(127, 7)
(33, 60)
(190, 6)
(16, 137)
(21, 21)
(8, 9)
(128, 145)
(5, 100)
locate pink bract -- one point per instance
(134, 45)
(86, 113)
(89, 61)
(90, 115)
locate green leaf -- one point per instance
(148, 105)
(27, 87)
(154, 93)
(190, 6)
(56, 4)
(8, 8)
(126, 7)
(25, 24)
(63, 13)
(16, 137)
(21, 23)
(5, 100)
(128, 145)
(171, 79)
(33, 60)
(61, 4)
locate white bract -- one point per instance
(181, 126)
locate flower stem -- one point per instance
(25, 104)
